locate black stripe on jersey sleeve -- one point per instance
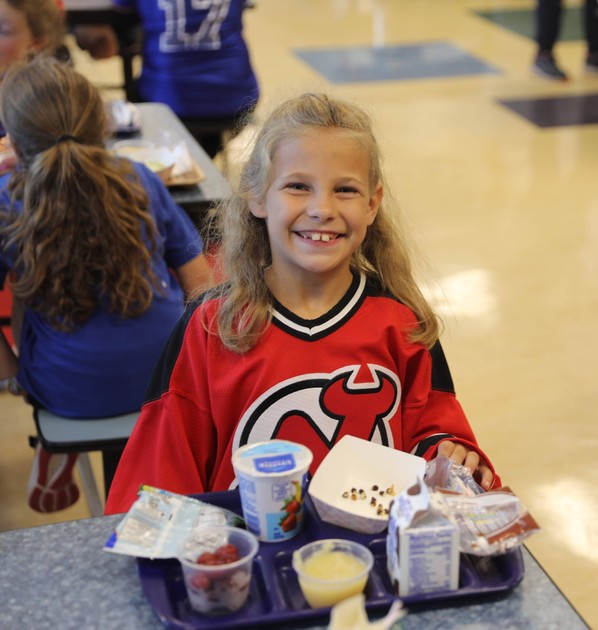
(441, 375)
(424, 445)
(160, 379)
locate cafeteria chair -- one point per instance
(6, 312)
(68, 435)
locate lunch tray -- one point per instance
(275, 596)
(193, 176)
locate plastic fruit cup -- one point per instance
(331, 570)
(217, 589)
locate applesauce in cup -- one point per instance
(331, 570)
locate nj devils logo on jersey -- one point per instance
(319, 409)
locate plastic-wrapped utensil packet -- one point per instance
(183, 162)
(159, 520)
(441, 472)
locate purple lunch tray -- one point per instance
(275, 596)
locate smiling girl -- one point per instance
(320, 330)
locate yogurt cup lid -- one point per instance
(271, 458)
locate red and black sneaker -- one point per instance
(51, 487)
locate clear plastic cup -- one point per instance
(272, 478)
(217, 589)
(331, 570)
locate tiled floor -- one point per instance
(560, 111)
(506, 211)
(393, 63)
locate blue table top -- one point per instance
(58, 576)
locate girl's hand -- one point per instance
(470, 459)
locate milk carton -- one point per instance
(422, 547)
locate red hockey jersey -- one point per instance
(352, 371)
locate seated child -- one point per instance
(28, 28)
(320, 330)
(196, 60)
(98, 252)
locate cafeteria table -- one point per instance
(97, 12)
(158, 122)
(58, 576)
(91, 8)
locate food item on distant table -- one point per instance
(159, 159)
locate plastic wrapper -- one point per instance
(159, 520)
(123, 116)
(490, 523)
(182, 159)
(442, 472)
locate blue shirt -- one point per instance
(102, 368)
(195, 58)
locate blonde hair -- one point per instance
(78, 244)
(245, 308)
(45, 21)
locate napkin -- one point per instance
(182, 159)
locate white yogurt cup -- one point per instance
(272, 478)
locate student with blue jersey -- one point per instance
(196, 60)
(98, 253)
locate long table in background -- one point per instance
(87, 5)
(58, 576)
(159, 121)
(98, 12)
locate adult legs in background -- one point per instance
(590, 26)
(211, 142)
(213, 133)
(548, 23)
